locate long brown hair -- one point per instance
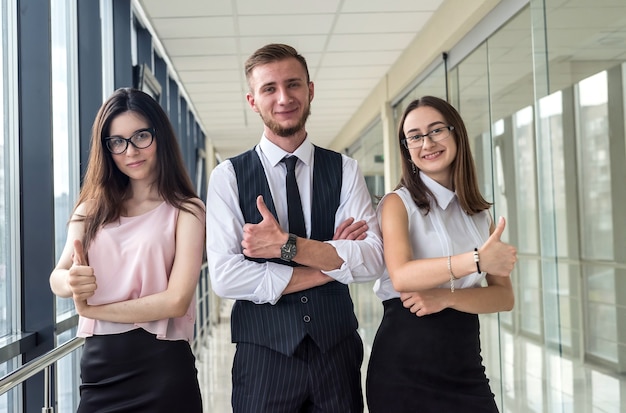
(105, 187)
(463, 169)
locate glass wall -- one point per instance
(368, 151)
(583, 64)
(4, 159)
(51, 88)
(66, 175)
(543, 99)
(65, 126)
(9, 206)
(432, 84)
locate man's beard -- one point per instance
(286, 132)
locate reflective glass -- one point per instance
(68, 371)
(10, 401)
(64, 129)
(9, 173)
(369, 153)
(4, 227)
(595, 167)
(553, 194)
(527, 215)
(434, 84)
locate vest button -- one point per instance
(304, 299)
(306, 318)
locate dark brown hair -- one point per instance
(105, 187)
(463, 169)
(273, 53)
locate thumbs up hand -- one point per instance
(263, 240)
(79, 253)
(81, 279)
(496, 257)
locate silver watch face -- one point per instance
(288, 251)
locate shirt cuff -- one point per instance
(344, 274)
(276, 279)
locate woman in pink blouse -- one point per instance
(131, 263)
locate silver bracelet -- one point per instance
(452, 277)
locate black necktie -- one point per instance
(294, 205)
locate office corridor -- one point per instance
(525, 376)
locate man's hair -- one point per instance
(273, 53)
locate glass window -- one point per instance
(66, 170)
(551, 169)
(434, 84)
(580, 119)
(9, 175)
(10, 401)
(529, 297)
(4, 229)
(67, 378)
(525, 179)
(65, 135)
(368, 151)
(601, 334)
(595, 168)
(469, 93)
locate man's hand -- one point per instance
(263, 240)
(352, 230)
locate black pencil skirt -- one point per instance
(427, 364)
(135, 372)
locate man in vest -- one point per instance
(282, 240)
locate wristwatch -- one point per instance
(289, 250)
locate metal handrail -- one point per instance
(42, 362)
(45, 361)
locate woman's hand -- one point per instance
(81, 278)
(425, 302)
(496, 257)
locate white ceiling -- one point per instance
(349, 46)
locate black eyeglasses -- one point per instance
(435, 135)
(140, 140)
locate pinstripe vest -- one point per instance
(326, 312)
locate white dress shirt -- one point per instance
(446, 230)
(233, 276)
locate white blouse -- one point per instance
(445, 230)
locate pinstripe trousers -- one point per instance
(308, 381)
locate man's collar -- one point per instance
(274, 153)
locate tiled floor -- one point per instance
(214, 360)
(526, 377)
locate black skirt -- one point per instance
(135, 372)
(427, 364)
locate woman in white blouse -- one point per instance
(445, 265)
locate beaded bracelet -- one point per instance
(452, 277)
(477, 260)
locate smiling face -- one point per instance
(137, 164)
(433, 158)
(281, 95)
